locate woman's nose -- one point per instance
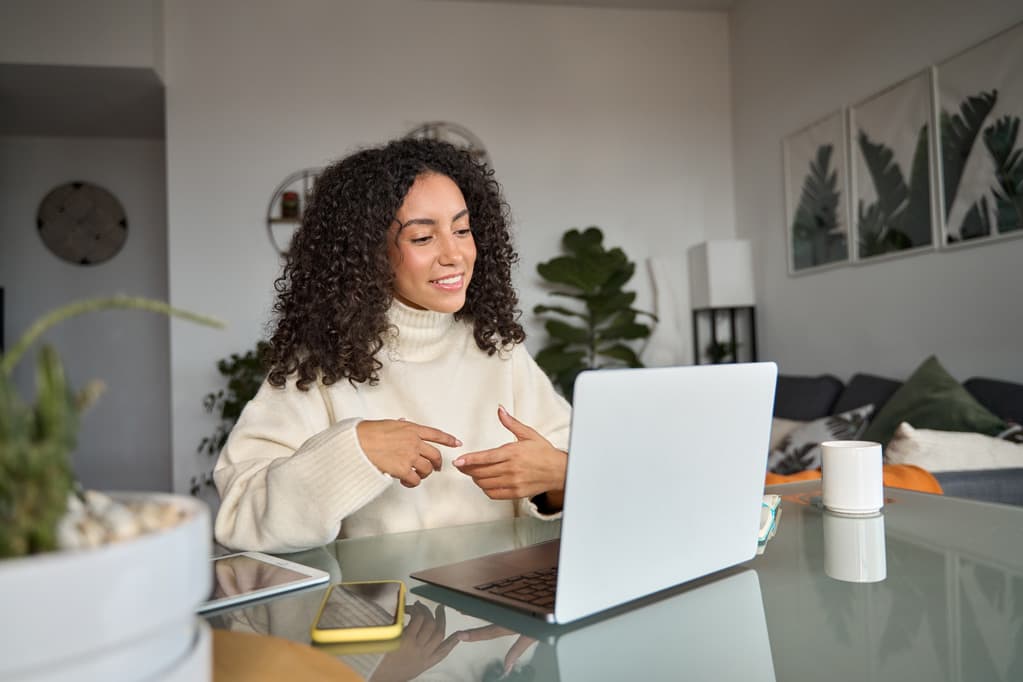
(450, 253)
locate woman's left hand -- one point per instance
(526, 467)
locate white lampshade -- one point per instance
(721, 274)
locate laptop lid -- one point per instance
(665, 479)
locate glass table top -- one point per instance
(932, 589)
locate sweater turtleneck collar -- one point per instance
(422, 334)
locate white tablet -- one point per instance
(248, 576)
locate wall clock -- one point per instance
(82, 223)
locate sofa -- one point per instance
(967, 435)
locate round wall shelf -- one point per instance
(287, 203)
(456, 134)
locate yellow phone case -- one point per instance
(360, 634)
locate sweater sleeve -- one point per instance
(539, 405)
(289, 473)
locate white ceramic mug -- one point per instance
(854, 548)
(852, 480)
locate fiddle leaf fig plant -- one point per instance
(36, 440)
(596, 333)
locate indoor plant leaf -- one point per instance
(555, 359)
(561, 310)
(621, 352)
(567, 332)
(597, 275)
(36, 440)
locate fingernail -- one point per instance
(459, 462)
(500, 408)
(458, 443)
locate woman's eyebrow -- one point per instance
(430, 221)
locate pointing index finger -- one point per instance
(436, 436)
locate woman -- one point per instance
(395, 366)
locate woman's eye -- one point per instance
(420, 240)
(463, 232)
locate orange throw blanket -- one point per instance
(895, 476)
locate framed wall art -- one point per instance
(980, 101)
(816, 205)
(890, 143)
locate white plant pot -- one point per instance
(124, 611)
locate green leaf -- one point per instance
(541, 309)
(571, 271)
(567, 332)
(587, 241)
(621, 352)
(556, 359)
(566, 381)
(627, 330)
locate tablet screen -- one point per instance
(241, 577)
(239, 574)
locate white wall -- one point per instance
(795, 61)
(92, 33)
(124, 438)
(617, 118)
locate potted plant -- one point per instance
(597, 334)
(119, 575)
(244, 375)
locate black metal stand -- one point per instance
(731, 312)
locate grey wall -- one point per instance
(796, 61)
(618, 118)
(124, 439)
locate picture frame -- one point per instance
(892, 177)
(815, 161)
(979, 106)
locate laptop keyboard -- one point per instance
(536, 587)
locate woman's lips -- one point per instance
(450, 283)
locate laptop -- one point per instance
(664, 485)
(675, 637)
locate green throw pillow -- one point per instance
(932, 399)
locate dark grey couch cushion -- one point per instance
(806, 398)
(1004, 486)
(1003, 398)
(865, 389)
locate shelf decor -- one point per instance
(816, 204)
(891, 174)
(722, 299)
(288, 201)
(980, 100)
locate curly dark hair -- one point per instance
(337, 283)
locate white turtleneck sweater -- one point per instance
(293, 475)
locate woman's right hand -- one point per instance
(402, 448)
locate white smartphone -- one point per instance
(248, 576)
(370, 611)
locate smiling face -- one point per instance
(430, 246)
